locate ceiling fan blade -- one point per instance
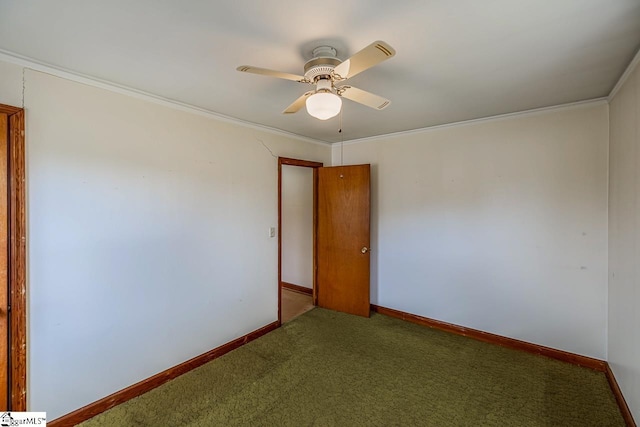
(298, 103)
(363, 97)
(371, 55)
(271, 73)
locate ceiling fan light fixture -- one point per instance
(323, 105)
(324, 71)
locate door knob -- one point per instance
(364, 250)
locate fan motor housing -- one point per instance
(322, 64)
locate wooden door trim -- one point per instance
(306, 164)
(9, 110)
(17, 260)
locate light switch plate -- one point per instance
(272, 232)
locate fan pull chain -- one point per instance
(341, 141)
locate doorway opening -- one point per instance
(297, 232)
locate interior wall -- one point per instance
(10, 84)
(624, 240)
(497, 225)
(297, 225)
(148, 236)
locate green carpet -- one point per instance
(331, 369)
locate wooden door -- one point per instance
(4, 259)
(343, 239)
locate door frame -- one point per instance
(305, 164)
(17, 316)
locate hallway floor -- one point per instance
(294, 304)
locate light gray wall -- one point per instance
(499, 225)
(148, 236)
(624, 240)
(297, 225)
(10, 84)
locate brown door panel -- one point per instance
(343, 238)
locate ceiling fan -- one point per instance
(327, 73)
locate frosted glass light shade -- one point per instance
(324, 105)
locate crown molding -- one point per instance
(533, 112)
(35, 65)
(623, 78)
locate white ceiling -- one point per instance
(455, 61)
